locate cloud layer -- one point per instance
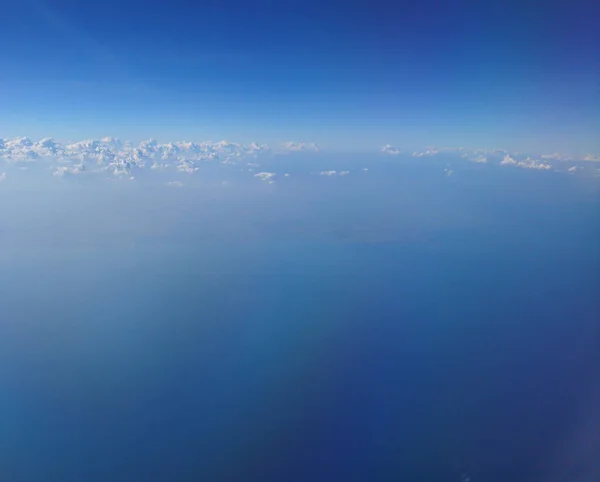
(115, 158)
(500, 157)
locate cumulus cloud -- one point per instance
(531, 164)
(508, 161)
(186, 165)
(389, 149)
(434, 151)
(122, 159)
(62, 171)
(266, 176)
(18, 149)
(527, 163)
(118, 157)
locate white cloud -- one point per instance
(186, 165)
(301, 146)
(556, 156)
(113, 155)
(333, 173)
(266, 176)
(528, 163)
(3, 176)
(429, 152)
(507, 161)
(19, 149)
(158, 166)
(434, 151)
(389, 149)
(62, 171)
(591, 157)
(122, 159)
(175, 184)
(532, 164)
(572, 169)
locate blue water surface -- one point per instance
(299, 360)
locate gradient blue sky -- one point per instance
(519, 75)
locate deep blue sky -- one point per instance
(354, 74)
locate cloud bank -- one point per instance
(118, 159)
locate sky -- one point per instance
(351, 75)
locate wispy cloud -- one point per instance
(300, 147)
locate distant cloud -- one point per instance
(556, 157)
(185, 165)
(301, 146)
(62, 171)
(389, 149)
(508, 161)
(3, 176)
(333, 173)
(123, 159)
(113, 155)
(532, 164)
(528, 163)
(113, 158)
(266, 176)
(479, 159)
(175, 184)
(434, 151)
(428, 152)
(591, 157)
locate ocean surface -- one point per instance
(469, 356)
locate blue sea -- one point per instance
(466, 355)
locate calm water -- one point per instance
(297, 360)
